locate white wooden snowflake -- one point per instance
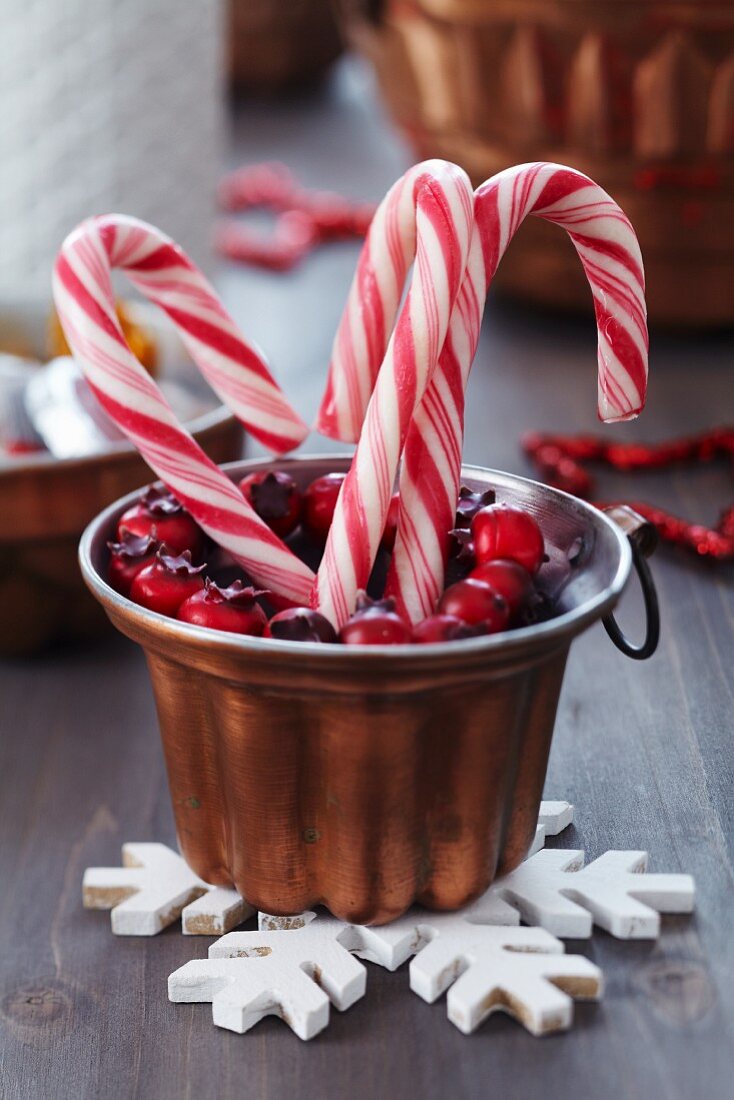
(555, 890)
(291, 974)
(153, 888)
(523, 971)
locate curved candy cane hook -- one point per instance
(608, 249)
(236, 371)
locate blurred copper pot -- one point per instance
(274, 45)
(365, 779)
(639, 94)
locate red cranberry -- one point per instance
(300, 624)
(375, 623)
(389, 535)
(127, 557)
(163, 585)
(275, 497)
(234, 609)
(158, 513)
(444, 628)
(509, 580)
(503, 531)
(469, 504)
(319, 502)
(475, 602)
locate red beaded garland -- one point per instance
(561, 462)
(304, 219)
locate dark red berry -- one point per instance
(444, 628)
(375, 623)
(391, 523)
(319, 502)
(509, 580)
(475, 602)
(300, 624)
(170, 579)
(503, 531)
(276, 499)
(127, 557)
(234, 609)
(469, 504)
(173, 525)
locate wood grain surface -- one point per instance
(643, 750)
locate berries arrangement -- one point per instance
(495, 553)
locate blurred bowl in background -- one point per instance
(639, 94)
(273, 45)
(45, 502)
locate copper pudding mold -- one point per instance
(366, 779)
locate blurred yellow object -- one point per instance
(140, 340)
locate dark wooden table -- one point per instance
(643, 751)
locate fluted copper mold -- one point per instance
(365, 778)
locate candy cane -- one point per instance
(608, 249)
(371, 309)
(85, 303)
(442, 202)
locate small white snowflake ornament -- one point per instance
(153, 888)
(292, 974)
(521, 971)
(495, 966)
(553, 889)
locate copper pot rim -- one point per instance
(549, 634)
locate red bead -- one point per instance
(509, 579)
(300, 624)
(233, 609)
(160, 515)
(128, 557)
(375, 623)
(504, 531)
(444, 628)
(475, 602)
(275, 497)
(163, 585)
(319, 502)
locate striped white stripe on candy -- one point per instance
(431, 466)
(85, 303)
(371, 309)
(443, 201)
(235, 369)
(608, 249)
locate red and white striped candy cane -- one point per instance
(443, 211)
(371, 309)
(608, 249)
(86, 307)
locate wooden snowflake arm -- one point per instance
(214, 913)
(537, 990)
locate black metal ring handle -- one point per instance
(652, 611)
